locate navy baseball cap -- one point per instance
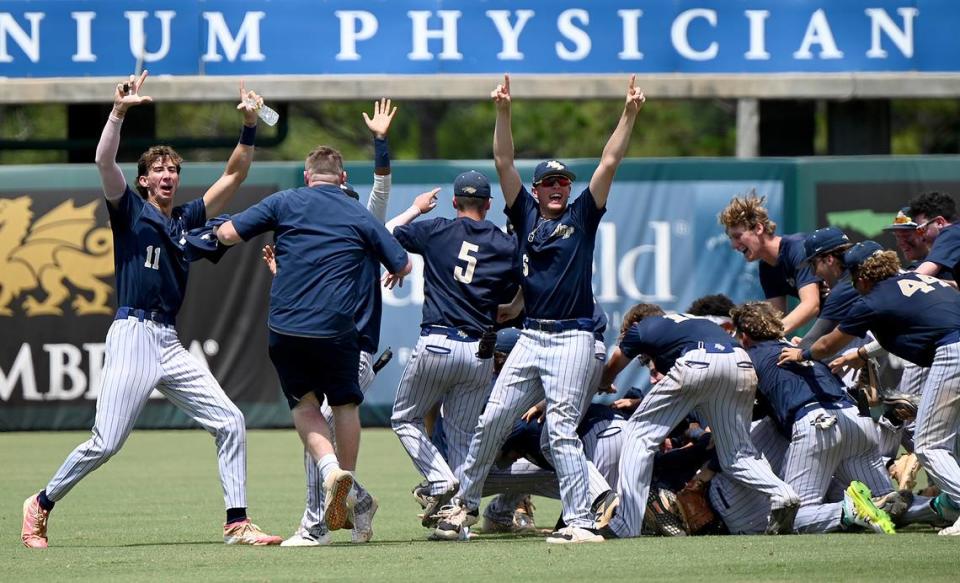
(823, 241)
(349, 190)
(473, 184)
(551, 168)
(507, 339)
(902, 222)
(856, 255)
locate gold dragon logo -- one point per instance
(62, 247)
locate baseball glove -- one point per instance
(694, 506)
(662, 516)
(900, 408)
(904, 471)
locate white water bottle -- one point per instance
(264, 112)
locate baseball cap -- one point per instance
(507, 339)
(473, 184)
(551, 168)
(856, 255)
(349, 190)
(902, 222)
(823, 241)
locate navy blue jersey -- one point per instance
(323, 239)
(470, 268)
(787, 276)
(557, 256)
(599, 321)
(908, 314)
(597, 413)
(148, 260)
(667, 338)
(789, 387)
(369, 306)
(945, 251)
(839, 299)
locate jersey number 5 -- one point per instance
(908, 287)
(153, 257)
(466, 275)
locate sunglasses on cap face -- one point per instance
(554, 181)
(922, 227)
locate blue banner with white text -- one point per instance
(80, 38)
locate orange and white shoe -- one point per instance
(336, 491)
(33, 533)
(248, 533)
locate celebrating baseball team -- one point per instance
(746, 428)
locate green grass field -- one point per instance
(155, 513)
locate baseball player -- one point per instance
(707, 371)
(143, 350)
(470, 268)
(312, 531)
(745, 511)
(823, 253)
(323, 241)
(782, 272)
(813, 410)
(554, 355)
(936, 215)
(916, 317)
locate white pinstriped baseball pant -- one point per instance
(721, 387)
(850, 449)
(141, 356)
(555, 366)
(441, 370)
(938, 421)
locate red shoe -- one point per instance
(33, 533)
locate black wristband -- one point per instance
(381, 153)
(247, 135)
(805, 354)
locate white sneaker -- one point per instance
(951, 530)
(573, 535)
(363, 521)
(305, 538)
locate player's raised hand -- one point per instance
(501, 95)
(383, 112)
(270, 258)
(250, 102)
(635, 97)
(127, 94)
(426, 201)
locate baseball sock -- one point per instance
(236, 515)
(327, 464)
(45, 503)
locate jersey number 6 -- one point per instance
(466, 275)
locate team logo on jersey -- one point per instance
(61, 251)
(563, 231)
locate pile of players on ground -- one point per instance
(821, 454)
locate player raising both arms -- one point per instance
(554, 355)
(143, 350)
